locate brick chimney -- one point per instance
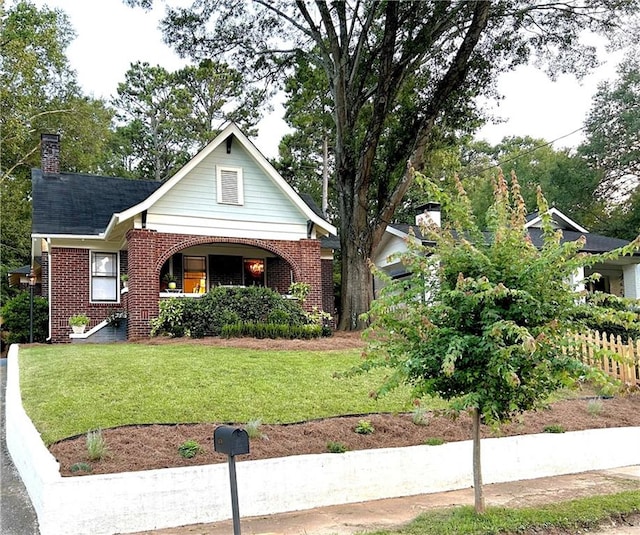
(429, 213)
(50, 152)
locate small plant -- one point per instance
(434, 441)
(299, 290)
(595, 407)
(189, 449)
(420, 416)
(79, 320)
(364, 427)
(124, 277)
(96, 445)
(554, 428)
(336, 447)
(80, 467)
(253, 428)
(115, 318)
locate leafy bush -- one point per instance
(253, 311)
(554, 428)
(364, 427)
(434, 441)
(16, 316)
(189, 449)
(611, 314)
(336, 447)
(170, 319)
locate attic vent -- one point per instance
(230, 190)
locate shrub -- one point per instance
(96, 445)
(420, 416)
(554, 428)
(16, 316)
(80, 467)
(364, 427)
(434, 441)
(336, 447)
(189, 449)
(170, 318)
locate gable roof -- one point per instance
(562, 221)
(81, 204)
(230, 130)
(595, 243)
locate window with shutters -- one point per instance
(230, 189)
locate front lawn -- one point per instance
(70, 389)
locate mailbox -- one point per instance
(230, 440)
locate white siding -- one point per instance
(191, 206)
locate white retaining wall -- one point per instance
(137, 501)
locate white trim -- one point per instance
(557, 215)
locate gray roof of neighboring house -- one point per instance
(73, 203)
(595, 243)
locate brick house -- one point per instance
(226, 218)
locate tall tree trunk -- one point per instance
(357, 283)
(477, 465)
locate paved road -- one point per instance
(17, 516)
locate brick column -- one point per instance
(311, 271)
(143, 282)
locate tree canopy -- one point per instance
(397, 73)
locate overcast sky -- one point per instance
(111, 36)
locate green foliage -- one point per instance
(575, 516)
(611, 314)
(434, 441)
(78, 320)
(271, 330)
(336, 447)
(554, 428)
(237, 308)
(482, 321)
(96, 445)
(420, 416)
(299, 290)
(16, 316)
(189, 449)
(364, 427)
(80, 467)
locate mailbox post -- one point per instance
(232, 441)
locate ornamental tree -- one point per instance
(482, 321)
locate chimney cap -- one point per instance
(429, 207)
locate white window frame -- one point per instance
(115, 278)
(239, 185)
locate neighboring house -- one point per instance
(620, 277)
(226, 218)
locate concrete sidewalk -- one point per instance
(391, 513)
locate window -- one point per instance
(195, 274)
(230, 189)
(104, 277)
(254, 272)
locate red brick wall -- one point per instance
(147, 252)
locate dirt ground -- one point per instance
(134, 448)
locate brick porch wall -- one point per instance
(148, 250)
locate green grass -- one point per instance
(571, 515)
(70, 389)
